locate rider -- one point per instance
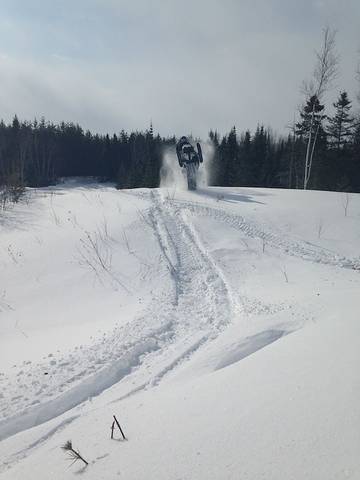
(186, 152)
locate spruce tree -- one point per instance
(232, 151)
(311, 125)
(259, 157)
(341, 125)
(303, 127)
(245, 159)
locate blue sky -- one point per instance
(188, 66)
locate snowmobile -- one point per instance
(189, 160)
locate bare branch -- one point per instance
(96, 253)
(326, 69)
(308, 88)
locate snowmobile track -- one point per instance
(280, 241)
(203, 292)
(149, 347)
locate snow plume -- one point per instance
(204, 174)
(171, 175)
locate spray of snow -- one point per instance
(204, 175)
(172, 176)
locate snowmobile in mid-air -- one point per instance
(189, 159)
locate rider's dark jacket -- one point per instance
(186, 152)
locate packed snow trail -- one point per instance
(155, 343)
(201, 291)
(298, 248)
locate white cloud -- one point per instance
(188, 66)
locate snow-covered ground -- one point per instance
(221, 327)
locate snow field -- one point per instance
(219, 325)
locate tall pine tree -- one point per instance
(341, 125)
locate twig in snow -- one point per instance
(345, 200)
(127, 242)
(245, 243)
(320, 227)
(263, 244)
(73, 454)
(285, 274)
(4, 305)
(56, 217)
(118, 424)
(97, 254)
(143, 218)
(21, 331)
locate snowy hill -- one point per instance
(220, 326)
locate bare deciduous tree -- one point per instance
(325, 71)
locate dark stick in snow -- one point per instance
(118, 424)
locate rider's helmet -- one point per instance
(183, 139)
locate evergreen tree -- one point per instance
(232, 154)
(245, 159)
(303, 127)
(341, 125)
(258, 157)
(311, 124)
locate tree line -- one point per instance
(265, 160)
(38, 153)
